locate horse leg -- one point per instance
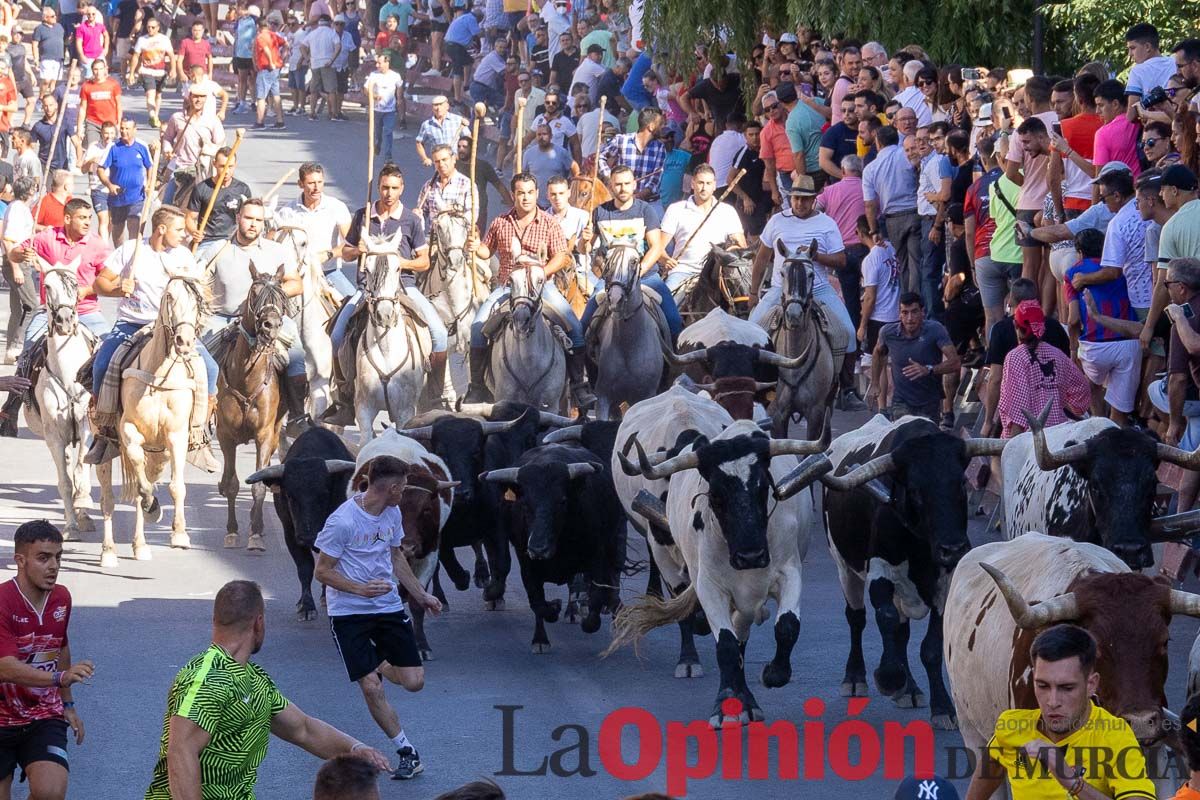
(135, 456)
(365, 410)
(81, 479)
(66, 490)
(108, 550)
(177, 445)
(228, 486)
(265, 448)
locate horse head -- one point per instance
(62, 293)
(181, 313)
(622, 278)
(733, 272)
(265, 306)
(525, 298)
(449, 231)
(798, 276)
(381, 263)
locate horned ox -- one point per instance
(741, 548)
(899, 538)
(1091, 481)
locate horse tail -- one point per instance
(643, 615)
(129, 481)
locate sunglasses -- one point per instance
(926, 83)
(551, 103)
(1149, 142)
(770, 108)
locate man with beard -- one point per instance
(485, 175)
(222, 707)
(840, 140)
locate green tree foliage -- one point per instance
(1096, 28)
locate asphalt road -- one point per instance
(142, 621)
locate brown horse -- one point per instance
(248, 407)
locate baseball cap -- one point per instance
(1030, 317)
(985, 116)
(1110, 168)
(924, 788)
(789, 37)
(254, 11)
(340, 18)
(803, 186)
(1179, 177)
(786, 92)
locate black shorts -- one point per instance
(458, 55)
(243, 64)
(438, 27)
(365, 641)
(44, 740)
(27, 89)
(874, 326)
(152, 82)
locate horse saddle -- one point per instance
(837, 336)
(220, 344)
(344, 362)
(652, 302)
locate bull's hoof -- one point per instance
(142, 553)
(461, 581)
(591, 623)
(86, 524)
(256, 543)
(181, 541)
(108, 559)
(481, 579)
(426, 654)
(494, 605)
(944, 722)
(685, 670)
(776, 675)
(540, 648)
(153, 511)
(891, 681)
(909, 697)
(853, 689)
(552, 610)
(735, 714)
(231, 540)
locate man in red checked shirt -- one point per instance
(36, 673)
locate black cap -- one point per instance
(786, 92)
(1180, 177)
(595, 48)
(922, 788)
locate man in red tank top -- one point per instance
(36, 673)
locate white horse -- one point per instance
(61, 417)
(527, 360)
(158, 394)
(391, 360)
(453, 283)
(317, 304)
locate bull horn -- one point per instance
(776, 360)
(802, 476)
(424, 433)
(572, 433)
(797, 447)
(476, 409)
(553, 420)
(984, 447)
(1046, 458)
(653, 509)
(339, 465)
(498, 427)
(581, 469)
(273, 472)
(1056, 609)
(873, 469)
(683, 359)
(507, 475)
(444, 485)
(704, 387)
(665, 469)
(631, 469)
(1173, 527)
(1184, 458)
(1185, 603)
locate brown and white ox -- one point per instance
(1004, 593)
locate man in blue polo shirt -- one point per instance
(124, 173)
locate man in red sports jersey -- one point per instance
(36, 672)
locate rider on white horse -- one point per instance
(325, 219)
(391, 222)
(447, 189)
(231, 265)
(163, 256)
(74, 241)
(526, 233)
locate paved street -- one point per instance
(142, 621)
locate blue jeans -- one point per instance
(933, 258)
(669, 309)
(481, 93)
(338, 280)
(551, 298)
(121, 332)
(824, 294)
(94, 321)
(295, 365)
(385, 127)
(433, 321)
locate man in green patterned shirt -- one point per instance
(222, 708)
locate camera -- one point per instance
(1155, 96)
(972, 74)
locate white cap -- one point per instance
(340, 18)
(985, 116)
(254, 11)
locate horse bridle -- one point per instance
(370, 292)
(52, 308)
(635, 273)
(173, 329)
(442, 247)
(794, 265)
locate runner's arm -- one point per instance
(404, 574)
(988, 778)
(329, 575)
(319, 738)
(185, 740)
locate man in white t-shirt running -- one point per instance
(360, 562)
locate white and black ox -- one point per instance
(1004, 593)
(1092, 481)
(896, 510)
(740, 546)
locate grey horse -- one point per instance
(528, 364)
(627, 345)
(808, 380)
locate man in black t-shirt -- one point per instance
(752, 201)
(564, 63)
(721, 95)
(223, 220)
(485, 175)
(840, 140)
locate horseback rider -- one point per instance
(632, 221)
(74, 240)
(448, 189)
(164, 255)
(797, 227)
(402, 228)
(697, 223)
(231, 265)
(523, 236)
(187, 138)
(326, 221)
(576, 225)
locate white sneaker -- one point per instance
(432, 73)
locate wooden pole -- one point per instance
(278, 185)
(740, 174)
(480, 110)
(370, 154)
(47, 172)
(127, 274)
(521, 101)
(212, 201)
(592, 200)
